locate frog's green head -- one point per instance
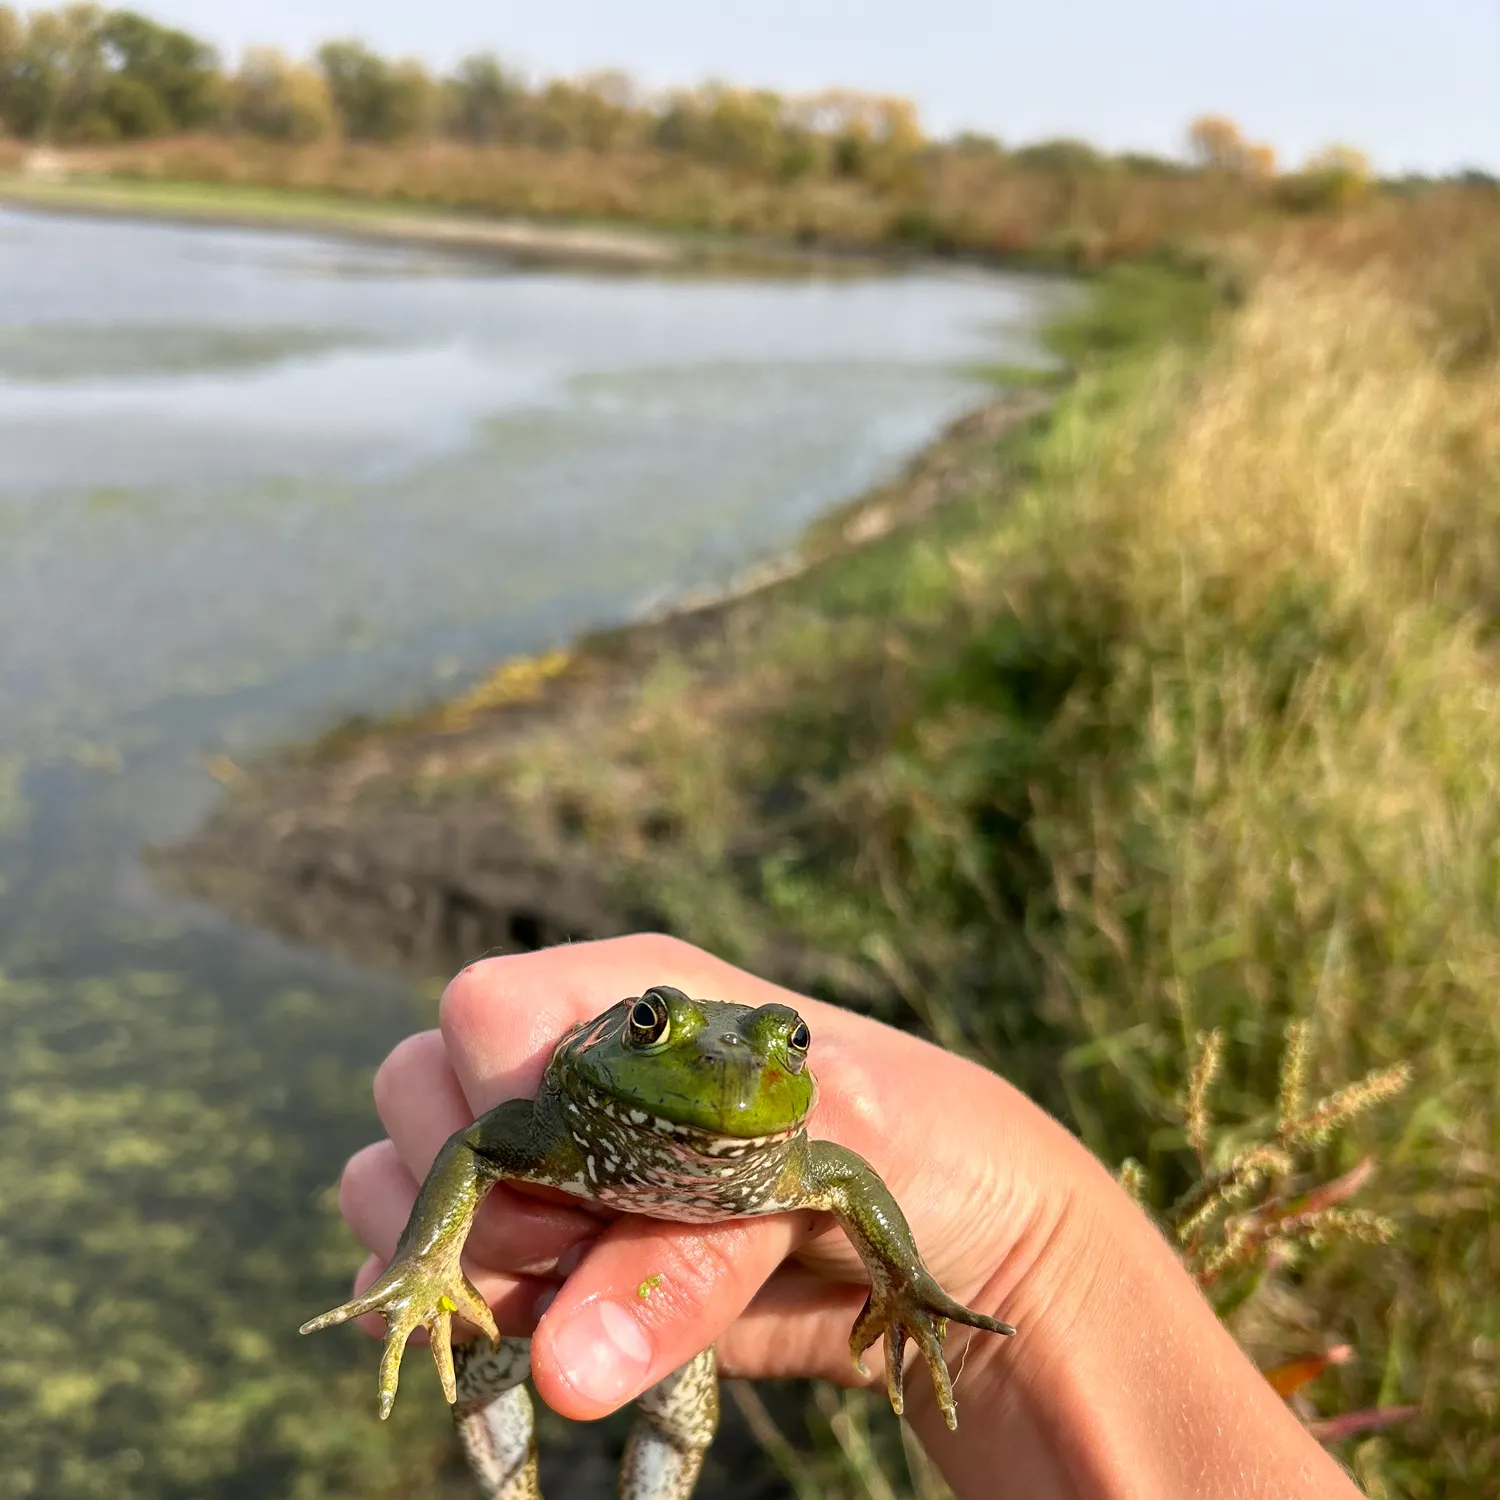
(701, 1066)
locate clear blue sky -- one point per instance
(1414, 83)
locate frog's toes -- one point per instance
(921, 1313)
(410, 1296)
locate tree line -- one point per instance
(84, 75)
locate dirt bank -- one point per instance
(63, 188)
(338, 844)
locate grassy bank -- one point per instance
(1192, 721)
(962, 205)
(322, 212)
(544, 240)
(1072, 211)
(1180, 713)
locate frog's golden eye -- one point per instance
(648, 1021)
(800, 1039)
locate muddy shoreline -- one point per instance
(529, 243)
(328, 844)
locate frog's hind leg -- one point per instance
(494, 1417)
(674, 1425)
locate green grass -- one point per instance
(206, 198)
(283, 207)
(1187, 717)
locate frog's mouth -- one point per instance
(643, 1119)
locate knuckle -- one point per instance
(468, 995)
(361, 1173)
(406, 1063)
(710, 1274)
(656, 953)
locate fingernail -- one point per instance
(569, 1260)
(603, 1354)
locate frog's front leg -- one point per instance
(904, 1301)
(424, 1285)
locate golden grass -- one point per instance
(1199, 732)
(949, 201)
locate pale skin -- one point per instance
(1120, 1382)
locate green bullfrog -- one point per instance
(683, 1109)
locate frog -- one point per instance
(693, 1110)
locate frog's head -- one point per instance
(693, 1067)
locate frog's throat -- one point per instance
(580, 1102)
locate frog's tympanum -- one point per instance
(678, 1109)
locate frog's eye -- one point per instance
(648, 1021)
(797, 1044)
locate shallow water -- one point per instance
(251, 484)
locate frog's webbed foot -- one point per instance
(413, 1294)
(918, 1309)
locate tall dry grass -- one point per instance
(1282, 799)
(946, 201)
(1188, 720)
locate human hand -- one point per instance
(1013, 1217)
(779, 1295)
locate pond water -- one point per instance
(249, 485)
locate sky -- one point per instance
(1415, 84)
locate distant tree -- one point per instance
(974, 143)
(1259, 162)
(734, 127)
(376, 100)
(569, 114)
(129, 109)
(82, 73)
(1215, 141)
(1061, 155)
(1217, 145)
(876, 137)
(58, 77)
(11, 34)
(615, 87)
(414, 105)
(181, 74)
(356, 79)
(281, 100)
(1332, 178)
(1144, 164)
(1344, 160)
(481, 99)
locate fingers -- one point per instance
(798, 1325)
(421, 1104)
(502, 1017)
(418, 1099)
(376, 1194)
(647, 1298)
(375, 1197)
(907, 1107)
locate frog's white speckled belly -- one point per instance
(637, 1163)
